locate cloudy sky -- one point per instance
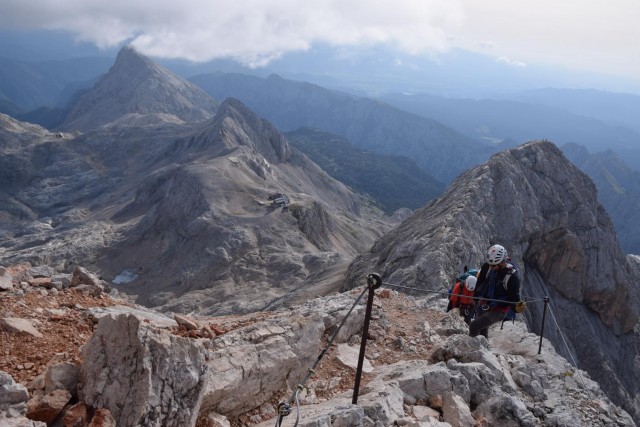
(594, 35)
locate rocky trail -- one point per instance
(51, 353)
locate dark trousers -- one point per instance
(480, 325)
(468, 312)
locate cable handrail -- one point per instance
(375, 281)
(446, 293)
(284, 408)
(569, 351)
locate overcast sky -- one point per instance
(595, 35)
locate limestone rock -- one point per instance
(348, 355)
(153, 317)
(6, 280)
(141, 374)
(507, 411)
(41, 271)
(188, 323)
(82, 276)
(13, 396)
(62, 376)
(455, 411)
(5, 283)
(263, 359)
(15, 325)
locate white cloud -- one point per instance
(598, 35)
(252, 31)
(511, 62)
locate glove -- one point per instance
(520, 307)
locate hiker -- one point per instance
(462, 295)
(497, 280)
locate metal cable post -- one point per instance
(284, 408)
(374, 281)
(544, 315)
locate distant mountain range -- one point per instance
(517, 121)
(30, 85)
(618, 190)
(617, 109)
(440, 151)
(394, 182)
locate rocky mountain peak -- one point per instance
(538, 194)
(544, 210)
(135, 85)
(241, 126)
(130, 59)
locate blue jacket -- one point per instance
(491, 285)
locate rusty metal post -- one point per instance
(374, 281)
(544, 315)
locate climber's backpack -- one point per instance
(457, 290)
(470, 272)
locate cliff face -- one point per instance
(618, 190)
(533, 201)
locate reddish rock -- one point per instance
(188, 323)
(76, 416)
(102, 418)
(436, 402)
(47, 407)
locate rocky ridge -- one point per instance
(547, 215)
(367, 124)
(125, 365)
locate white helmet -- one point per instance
(496, 254)
(470, 282)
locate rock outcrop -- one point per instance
(423, 369)
(144, 374)
(533, 201)
(136, 371)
